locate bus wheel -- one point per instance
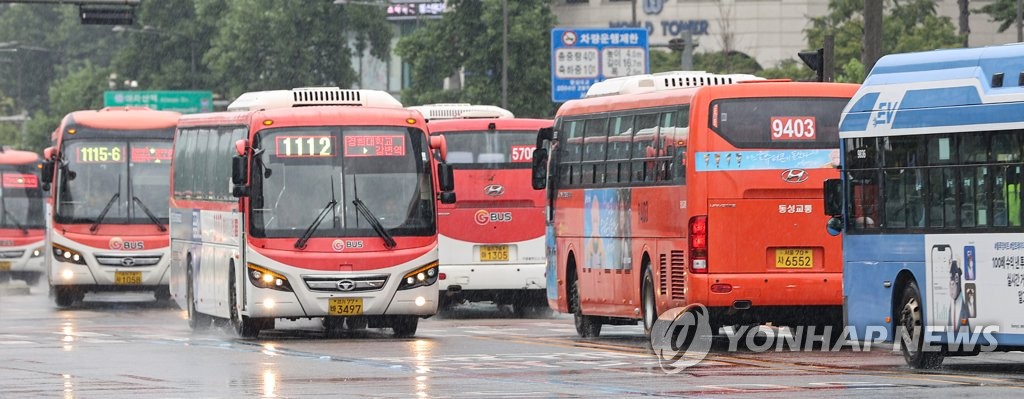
(245, 326)
(65, 296)
(196, 321)
(648, 303)
(33, 278)
(356, 323)
(586, 326)
(405, 326)
(162, 293)
(910, 331)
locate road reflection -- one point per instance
(423, 350)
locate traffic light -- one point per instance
(816, 61)
(106, 14)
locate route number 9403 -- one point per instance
(793, 127)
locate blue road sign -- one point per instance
(584, 56)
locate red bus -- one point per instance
(109, 171)
(22, 221)
(307, 203)
(491, 242)
(713, 202)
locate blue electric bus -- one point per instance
(929, 203)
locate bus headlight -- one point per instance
(64, 254)
(421, 277)
(38, 252)
(265, 278)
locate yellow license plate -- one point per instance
(345, 306)
(127, 278)
(794, 258)
(494, 253)
(5, 266)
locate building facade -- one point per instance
(769, 31)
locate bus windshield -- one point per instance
(21, 200)
(114, 181)
(304, 174)
(490, 149)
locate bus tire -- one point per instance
(910, 331)
(356, 323)
(196, 321)
(405, 326)
(586, 326)
(162, 293)
(31, 279)
(64, 297)
(648, 303)
(244, 326)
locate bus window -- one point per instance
(643, 140)
(619, 142)
(595, 139)
(862, 167)
(942, 202)
(572, 150)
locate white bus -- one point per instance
(307, 203)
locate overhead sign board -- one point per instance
(184, 101)
(582, 57)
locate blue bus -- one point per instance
(929, 203)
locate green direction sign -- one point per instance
(184, 101)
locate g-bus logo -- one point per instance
(483, 216)
(341, 245)
(117, 243)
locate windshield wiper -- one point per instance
(103, 214)
(389, 242)
(152, 217)
(301, 242)
(14, 220)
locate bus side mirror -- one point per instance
(833, 197)
(46, 174)
(238, 177)
(447, 197)
(445, 177)
(540, 168)
(834, 206)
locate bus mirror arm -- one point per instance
(544, 134)
(446, 197)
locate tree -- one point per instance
(1002, 11)
(165, 52)
(80, 89)
(908, 26)
(270, 44)
(468, 38)
(51, 44)
(41, 43)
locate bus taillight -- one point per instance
(699, 244)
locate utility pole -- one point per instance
(828, 65)
(635, 25)
(504, 54)
(1020, 25)
(872, 34)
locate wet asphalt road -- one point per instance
(126, 345)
